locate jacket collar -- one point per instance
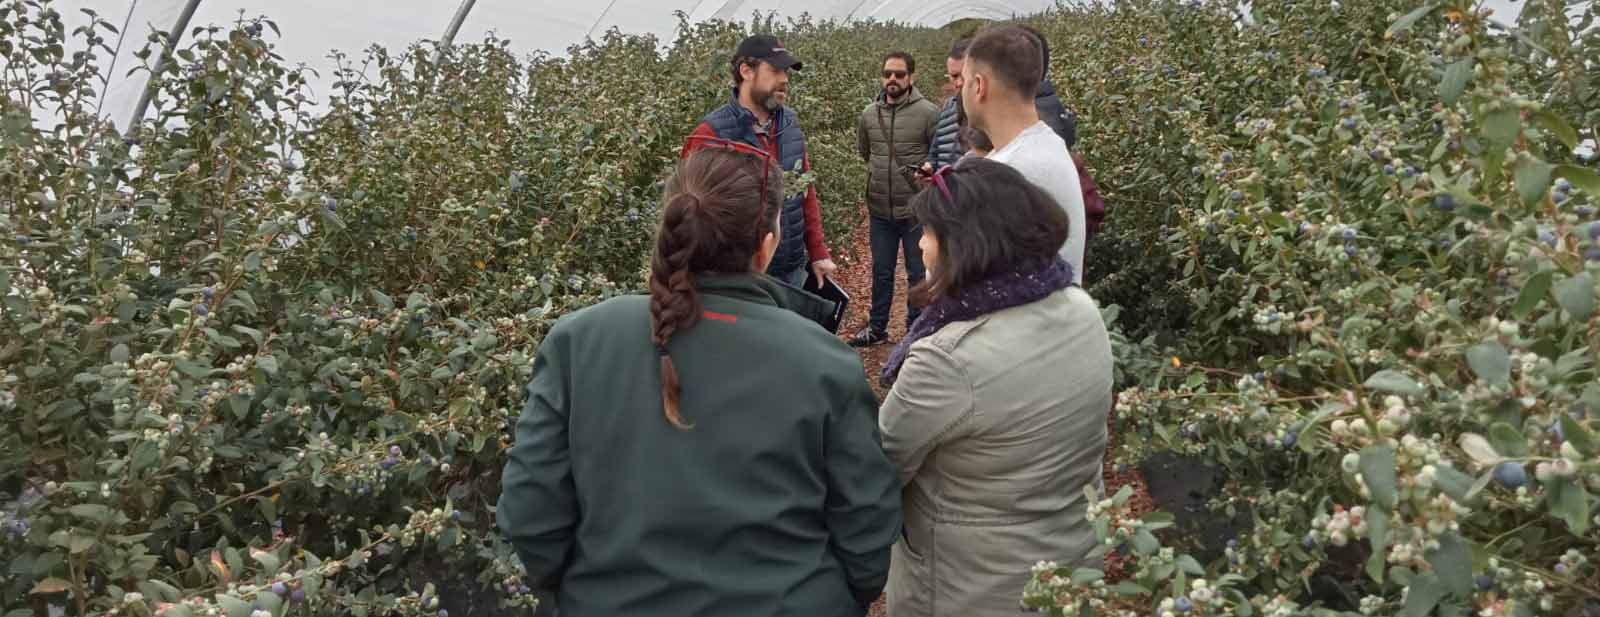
(747, 118)
(763, 289)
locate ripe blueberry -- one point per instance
(1445, 202)
(1511, 474)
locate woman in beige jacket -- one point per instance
(996, 417)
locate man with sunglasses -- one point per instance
(757, 116)
(893, 136)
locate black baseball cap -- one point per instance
(766, 48)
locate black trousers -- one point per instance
(889, 238)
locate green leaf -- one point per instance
(1533, 291)
(1188, 564)
(1454, 483)
(1500, 127)
(1452, 562)
(268, 560)
(1378, 538)
(234, 606)
(240, 404)
(1377, 468)
(1576, 295)
(312, 584)
(1390, 380)
(1507, 440)
(1129, 588)
(1570, 502)
(1490, 361)
(252, 262)
(1405, 22)
(1082, 576)
(1579, 436)
(1145, 543)
(119, 354)
(254, 334)
(81, 543)
(1455, 80)
(1555, 124)
(1425, 594)
(1533, 179)
(383, 300)
(268, 363)
(91, 512)
(1585, 179)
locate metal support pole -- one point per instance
(455, 26)
(161, 61)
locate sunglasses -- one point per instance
(895, 74)
(707, 141)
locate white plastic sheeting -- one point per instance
(313, 28)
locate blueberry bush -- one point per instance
(1355, 252)
(257, 360)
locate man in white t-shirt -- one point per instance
(1000, 78)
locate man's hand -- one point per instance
(824, 270)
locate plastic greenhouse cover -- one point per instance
(311, 29)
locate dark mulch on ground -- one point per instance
(855, 275)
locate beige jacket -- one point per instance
(996, 426)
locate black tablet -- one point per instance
(832, 292)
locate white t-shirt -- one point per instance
(1043, 159)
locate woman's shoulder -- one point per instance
(604, 315)
(1061, 309)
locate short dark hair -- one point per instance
(1012, 56)
(1000, 222)
(959, 49)
(911, 63)
(739, 61)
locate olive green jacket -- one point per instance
(779, 501)
(891, 136)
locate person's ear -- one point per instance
(763, 256)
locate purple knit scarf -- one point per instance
(993, 294)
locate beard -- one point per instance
(770, 99)
(894, 90)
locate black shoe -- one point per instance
(868, 337)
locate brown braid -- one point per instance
(713, 220)
(674, 303)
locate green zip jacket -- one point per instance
(779, 501)
(890, 136)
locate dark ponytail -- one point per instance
(713, 220)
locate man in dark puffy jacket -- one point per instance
(756, 115)
(893, 134)
(946, 147)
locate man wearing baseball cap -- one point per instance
(757, 116)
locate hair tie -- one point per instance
(661, 350)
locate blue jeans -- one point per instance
(796, 277)
(889, 237)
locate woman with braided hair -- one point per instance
(705, 449)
